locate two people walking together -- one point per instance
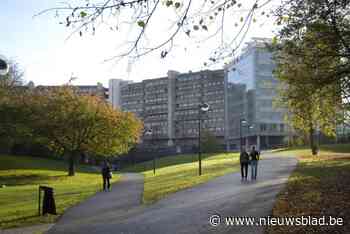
(249, 159)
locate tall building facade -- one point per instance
(241, 99)
(191, 90)
(250, 92)
(114, 86)
(170, 106)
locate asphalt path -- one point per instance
(187, 211)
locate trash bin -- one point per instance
(49, 206)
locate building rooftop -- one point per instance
(256, 42)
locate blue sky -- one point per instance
(27, 40)
(39, 45)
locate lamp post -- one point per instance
(250, 127)
(241, 122)
(149, 132)
(203, 108)
(4, 66)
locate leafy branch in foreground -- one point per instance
(196, 21)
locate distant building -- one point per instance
(114, 91)
(169, 105)
(250, 90)
(244, 90)
(92, 90)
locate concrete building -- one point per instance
(250, 90)
(114, 91)
(244, 90)
(169, 106)
(93, 90)
(191, 90)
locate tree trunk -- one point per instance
(71, 164)
(313, 147)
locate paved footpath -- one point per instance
(187, 211)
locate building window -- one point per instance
(281, 127)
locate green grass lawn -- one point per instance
(22, 177)
(320, 185)
(305, 150)
(179, 172)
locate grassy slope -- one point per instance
(23, 175)
(319, 186)
(179, 172)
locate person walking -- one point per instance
(244, 160)
(254, 158)
(106, 176)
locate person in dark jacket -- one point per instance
(244, 160)
(106, 175)
(254, 158)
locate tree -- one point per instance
(74, 124)
(13, 78)
(190, 20)
(310, 110)
(330, 40)
(310, 106)
(12, 128)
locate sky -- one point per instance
(48, 56)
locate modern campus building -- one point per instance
(240, 97)
(250, 90)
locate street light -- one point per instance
(149, 132)
(241, 122)
(203, 108)
(250, 127)
(4, 66)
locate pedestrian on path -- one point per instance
(244, 160)
(254, 158)
(106, 176)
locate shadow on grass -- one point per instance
(30, 179)
(161, 162)
(289, 149)
(322, 168)
(19, 219)
(16, 162)
(335, 148)
(175, 160)
(27, 221)
(185, 176)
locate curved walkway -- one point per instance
(187, 211)
(124, 197)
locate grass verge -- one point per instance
(179, 172)
(319, 186)
(22, 177)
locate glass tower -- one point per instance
(251, 116)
